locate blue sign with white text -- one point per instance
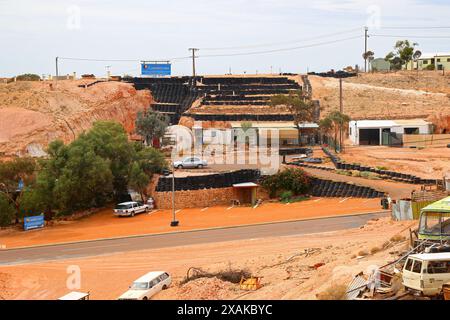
(35, 222)
(156, 69)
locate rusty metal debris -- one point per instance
(251, 284)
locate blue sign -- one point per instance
(35, 222)
(156, 69)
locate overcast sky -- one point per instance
(33, 33)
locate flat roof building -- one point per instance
(385, 132)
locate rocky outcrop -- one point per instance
(32, 114)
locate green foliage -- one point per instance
(151, 124)
(110, 141)
(7, 211)
(28, 77)
(91, 170)
(430, 67)
(301, 108)
(11, 173)
(403, 54)
(139, 180)
(293, 180)
(334, 122)
(286, 196)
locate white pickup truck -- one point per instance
(130, 209)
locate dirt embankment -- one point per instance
(292, 267)
(32, 114)
(399, 95)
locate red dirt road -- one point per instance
(105, 225)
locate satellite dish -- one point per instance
(417, 55)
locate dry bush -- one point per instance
(334, 292)
(363, 253)
(228, 275)
(375, 250)
(398, 238)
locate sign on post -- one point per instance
(156, 69)
(35, 222)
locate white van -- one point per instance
(425, 274)
(147, 286)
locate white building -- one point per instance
(385, 132)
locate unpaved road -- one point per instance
(101, 247)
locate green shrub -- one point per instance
(382, 168)
(292, 179)
(7, 212)
(28, 77)
(286, 196)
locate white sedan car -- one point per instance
(147, 286)
(130, 209)
(190, 163)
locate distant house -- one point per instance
(385, 132)
(380, 64)
(440, 60)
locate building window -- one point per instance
(425, 61)
(438, 60)
(448, 59)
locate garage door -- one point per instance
(369, 137)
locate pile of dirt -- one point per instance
(32, 114)
(384, 96)
(429, 163)
(203, 289)
(4, 285)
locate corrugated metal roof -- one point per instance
(439, 206)
(355, 288)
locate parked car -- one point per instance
(190, 163)
(147, 286)
(130, 209)
(75, 296)
(426, 274)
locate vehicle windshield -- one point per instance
(139, 286)
(435, 224)
(123, 206)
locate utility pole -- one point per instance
(193, 60)
(57, 71)
(341, 109)
(366, 36)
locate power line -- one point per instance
(119, 60)
(280, 50)
(282, 43)
(415, 28)
(408, 36)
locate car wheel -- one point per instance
(164, 287)
(132, 214)
(200, 166)
(147, 209)
(144, 298)
(180, 167)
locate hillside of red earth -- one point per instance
(32, 114)
(398, 95)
